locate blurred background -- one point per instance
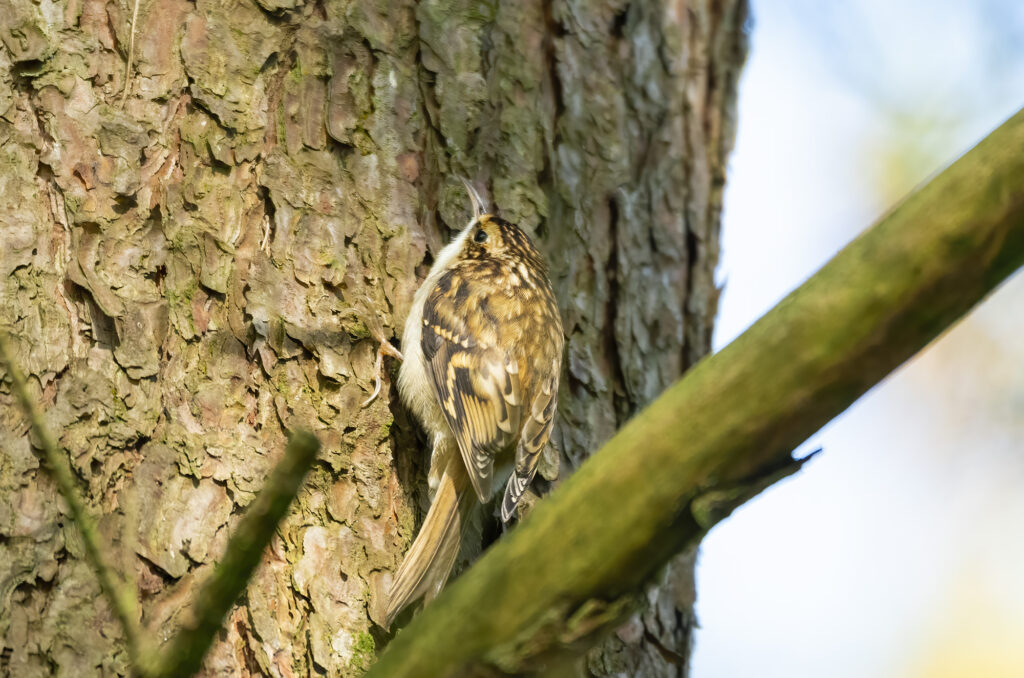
(898, 552)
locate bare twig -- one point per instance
(131, 53)
(183, 654)
(124, 603)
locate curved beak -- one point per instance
(478, 204)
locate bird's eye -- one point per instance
(480, 236)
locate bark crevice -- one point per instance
(192, 275)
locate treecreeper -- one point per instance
(483, 353)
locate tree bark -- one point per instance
(726, 431)
(195, 258)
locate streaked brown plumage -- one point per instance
(483, 352)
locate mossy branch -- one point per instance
(183, 654)
(554, 585)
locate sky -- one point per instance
(898, 551)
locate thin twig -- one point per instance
(131, 53)
(183, 654)
(124, 604)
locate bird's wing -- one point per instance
(477, 385)
(536, 430)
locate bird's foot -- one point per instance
(384, 347)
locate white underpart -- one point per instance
(414, 381)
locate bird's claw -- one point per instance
(383, 348)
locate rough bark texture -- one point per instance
(725, 431)
(194, 266)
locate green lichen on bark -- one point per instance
(726, 430)
(192, 275)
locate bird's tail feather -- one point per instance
(429, 561)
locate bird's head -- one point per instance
(488, 236)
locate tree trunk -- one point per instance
(194, 262)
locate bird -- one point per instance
(482, 351)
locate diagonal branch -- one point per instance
(183, 654)
(122, 601)
(572, 570)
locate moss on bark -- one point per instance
(191, 275)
